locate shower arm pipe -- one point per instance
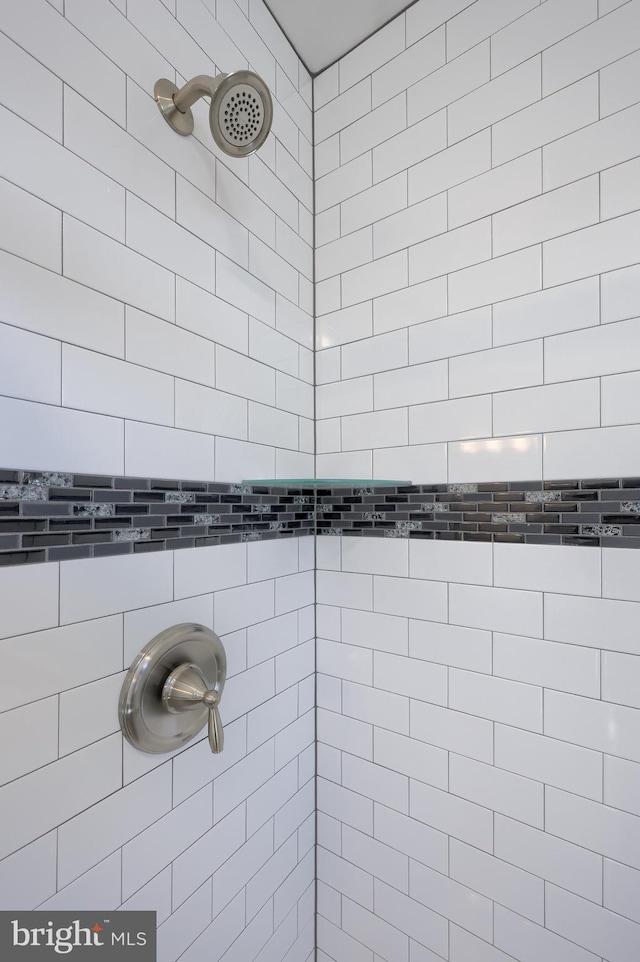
(200, 86)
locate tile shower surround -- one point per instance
(56, 516)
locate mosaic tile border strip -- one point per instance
(58, 516)
(599, 513)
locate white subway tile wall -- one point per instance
(477, 188)
(163, 832)
(156, 320)
(125, 240)
(477, 784)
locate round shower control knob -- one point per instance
(173, 689)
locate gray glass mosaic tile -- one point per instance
(53, 516)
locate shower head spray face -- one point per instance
(241, 109)
(241, 113)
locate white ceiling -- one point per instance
(323, 30)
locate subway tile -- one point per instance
(67, 789)
(410, 226)
(509, 702)
(447, 336)
(412, 305)
(410, 916)
(29, 876)
(503, 187)
(619, 186)
(512, 887)
(385, 43)
(405, 676)
(31, 736)
(618, 84)
(498, 790)
(374, 932)
(540, 568)
(569, 767)
(200, 216)
(339, 943)
(595, 724)
(492, 102)
(29, 434)
(621, 889)
(407, 148)
(63, 50)
(343, 110)
(212, 318)
(594, 826)
(558, 212)
(594, 622)
(410, 385)
(619, 675)
(553, 311)
(410, 757)
(376, 630)
(466, 648)
(371, 205)
(30, 228)
(531, 942)
(451, 251)
(450, 82)
(409, 597)
(213, 569)
(451, 899)
(454, 561)
(452, 731)
(411, 837)
(243, 376)
(244, 206)
(272, 270)
(108, 148)
(167, 452)
(31, 90)
(564, 667)
(375, 127)
(519, 458)
(244, 291)
(586, 453)
(589, 49)
(499, 369)
(346, 397)
(344, 253)
(620, 575)
(558, 407)
(88, 713)
(200, 408)
(380, 428)
(346, 734)
(239, 460)
(546, 120)
(375, 707)
(373, 781)
(346, 878)
(327, 156)
(345, 806)
(374, 354)
(464, 945)
(169, 348)
(590, 926)
(621, 780)
(96, 261)
(267, 425)
(96, 382)
(30, 365)
(542, 28)
(104, 586)
(414, 461)
(343, 183)
(619, 294)
(480, 21)
(342, 326)
(499, 279)
(594, 250)
(451, 166)
(408, 67)
(380, 277)
(48, 304)
(591, 149)
(450, 420)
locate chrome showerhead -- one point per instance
(240, 114)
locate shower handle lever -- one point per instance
(186, 689)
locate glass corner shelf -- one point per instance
(327, 482)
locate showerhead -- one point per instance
(240, 114)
